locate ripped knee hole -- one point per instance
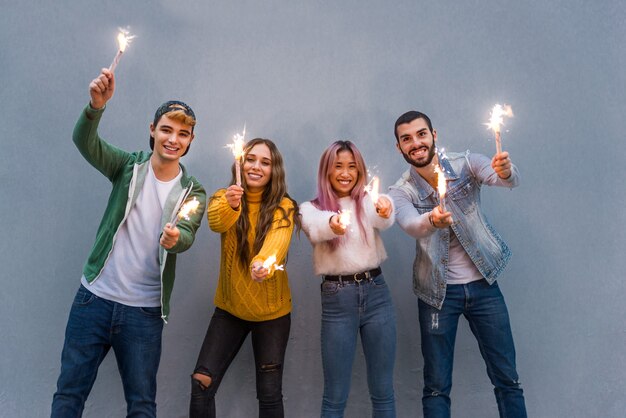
(270, 367)
(203, 380)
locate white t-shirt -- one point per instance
(131, 275)
(461, 269)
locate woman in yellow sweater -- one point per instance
(256, 222)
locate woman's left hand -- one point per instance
(383, 207)
(258, 273)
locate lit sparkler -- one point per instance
(123, 39)
(237, 149)
(186, 211)
(441, 187)
(270, 264)
(345, 218)
(497, 118)
(372, 188)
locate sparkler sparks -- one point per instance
(497, 119)
(345, 218)
(372, 188)
(123, 39)
(186, 210)
(236, 147)
(270, 264)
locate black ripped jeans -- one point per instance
(222, 342)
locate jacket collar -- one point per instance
(424, 189)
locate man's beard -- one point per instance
(429, 158)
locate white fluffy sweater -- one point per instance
(354, 253)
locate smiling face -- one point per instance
(344, 175)
(416, 142)
(171, 139)
(257, 167)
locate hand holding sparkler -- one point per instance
(169, 236)
(260, 270)
(233, 196)
(101, 89)
(339, 222)
(383, 207)
(439, 218)
(257, 272)
(501, 164)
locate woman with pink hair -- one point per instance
(343, 225)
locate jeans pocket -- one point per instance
(379, 281)
(329, 288)
(83, 297)
(151, 312)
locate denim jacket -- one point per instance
(414, 198)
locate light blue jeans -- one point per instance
(347, 309)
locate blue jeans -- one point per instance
(484, 308)
(224, 338)
(347, 309)
(94, 326)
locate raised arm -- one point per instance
(221, 215)
(103, 156)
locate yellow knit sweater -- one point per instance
(236, 292)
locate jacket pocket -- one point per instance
(462, 196)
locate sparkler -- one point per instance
(372, 188)
(497, 118)
(441, 187)
(345, 218)
(123, 39)
(185, 211)
(237, 149)
(270, 264)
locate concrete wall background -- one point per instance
(305, 74)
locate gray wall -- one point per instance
(304, 74)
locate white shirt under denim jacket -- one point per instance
(414, 198)
(356, 253)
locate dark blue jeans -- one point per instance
(484, 308)
(348, 310)
(224, 338)
(94, 326)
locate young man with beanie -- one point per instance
(127, 281)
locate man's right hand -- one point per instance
(440, 219)
(101, 88)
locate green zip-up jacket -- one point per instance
(127, 172)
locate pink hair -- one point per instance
(326, 196)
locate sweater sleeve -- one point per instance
(220, 215)
(105, 157)
(315, 223)
(278, 238)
